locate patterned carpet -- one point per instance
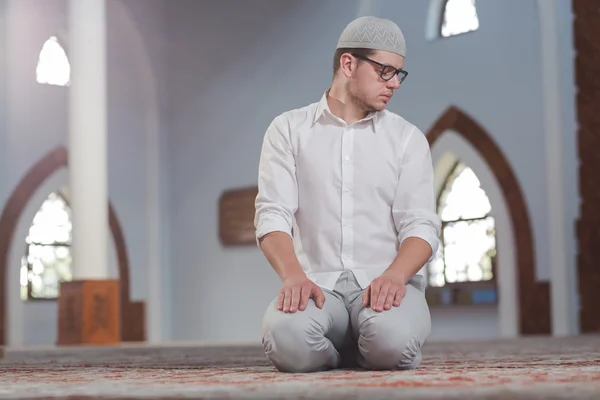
(532, 368)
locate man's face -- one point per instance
(366, 85)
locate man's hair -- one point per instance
(338, 54)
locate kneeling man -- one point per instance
(345, 215)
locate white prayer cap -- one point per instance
(373, 33)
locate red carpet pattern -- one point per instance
(527, 368)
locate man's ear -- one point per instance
(347, 64)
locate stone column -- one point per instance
(562, 280)
(89, 305)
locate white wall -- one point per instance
(4, 26)
(227, 66)
(231, 72)
(186, 79)
(37, 122)
(143, 24)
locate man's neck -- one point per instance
(341, 105)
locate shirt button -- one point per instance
(347, 158)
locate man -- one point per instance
(345, 215)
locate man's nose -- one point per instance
(394, 83)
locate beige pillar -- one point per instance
(563, 291)
(87, 138)
(89, 306)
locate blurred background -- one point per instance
(498, 86)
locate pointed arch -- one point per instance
(16, 203)
(534, 297)
(53, 66)
(447, 18)
(458, 17)
(54, 213)
(457, 184)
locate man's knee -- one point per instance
(294, 342)
(386, 345)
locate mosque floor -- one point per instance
(526, 368)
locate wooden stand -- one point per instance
(88, 312)
(133, 321)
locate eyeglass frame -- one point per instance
(383, 67)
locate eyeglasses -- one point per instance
(387, 71)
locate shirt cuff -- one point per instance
(425, 233)
(272, 223)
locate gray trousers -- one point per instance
(344, 334)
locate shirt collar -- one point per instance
(323, 107)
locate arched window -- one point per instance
(47, 259)
(53, 67)
(458, 16)
(468, 242)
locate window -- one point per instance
(468, 246)
(53, 66)
(47, 259)
(459, 16)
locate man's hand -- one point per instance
(384, 291)
(295, 293)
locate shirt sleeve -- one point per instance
(277, 199)
(414, 208)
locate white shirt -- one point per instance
(348, 195)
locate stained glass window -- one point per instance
(468, 249)
(459, 16)
(47, 259)
(53, 67)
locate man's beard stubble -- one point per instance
(360, 101)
